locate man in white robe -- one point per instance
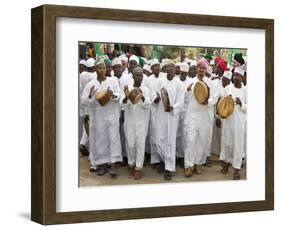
(185, 81)
(198, 124)
(233, 127)
(167, 122)
(84, 78)
(151, 84)
(105, 146)
(136, 123)
(216, 137)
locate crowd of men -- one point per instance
(186, 131)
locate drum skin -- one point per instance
(201, 92)
(103, 97)
(135, 95)
(165, 99)
(225, 106)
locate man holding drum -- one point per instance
(233, 126)
(198, 121)
(172, 98)
(98, 95)
(136, 102)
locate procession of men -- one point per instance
(164, 113)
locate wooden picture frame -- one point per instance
(43, 188)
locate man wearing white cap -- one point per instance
(124, 62)
(151, 84)
(167, 121)
(82, 66)
(216, 137)
(136, 123)
(126, 79)
(117, 67)
(147, 70)
(185, 82)
(178, 64)
(84, 78)
(198, 124)
(105, 147)
(233, 127)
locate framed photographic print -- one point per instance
(139, 114)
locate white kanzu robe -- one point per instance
(84, 78)
(198, 125)
(136, 127)
(167, 122)
(233, 129)
(105, 146)
(151, 83)
(180, 133)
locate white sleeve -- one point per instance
(85, 100)
(212, 95)
(177, 107)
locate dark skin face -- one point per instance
(177, 69)
(101, 69)
(138, 76)
(132, 64)
(91, 69)
(108, 69)
(164, 69)
(237, 80)
(117, 69)
(155, 69)
(192, 71)
(124, 65)
(183, 75)
(171, 71)
(82, 68)
(225, 81)
(201, 71)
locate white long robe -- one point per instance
(233, 129)
(125, 79)
(136, 127)
(84, 78)
(180, 133)
(167, 122)
(105, 146)
(198, 125)
(151, 83)
(216, 135)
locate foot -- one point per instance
(167, 175)
(198, 169)
(137, 174)
(102, 169)
(124, 162)
(112, 171)
(93, 169)
(160, 168)
(208, 162)
(188, 172)
(83, 150)
(236, 174)
(225, 167)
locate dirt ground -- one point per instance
(150, 175)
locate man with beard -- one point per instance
(233, 127)
(198, 124)
(105, 147)
(168, 120)
(136, 122)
